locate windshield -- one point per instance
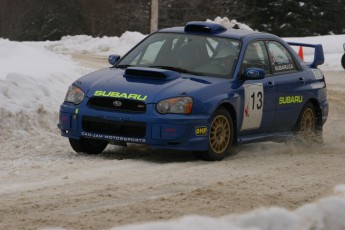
(195, 54)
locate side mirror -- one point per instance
(112, 59)
(253, 73)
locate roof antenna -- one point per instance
(236, 27)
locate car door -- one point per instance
(289, 83)
(259, 95)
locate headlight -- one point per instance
(74, 95)
(181, 105)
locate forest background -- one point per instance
(39, 20)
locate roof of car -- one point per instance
(212, 29)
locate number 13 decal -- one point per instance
(253, 106)
(257, 100)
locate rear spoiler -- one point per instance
(319, 58)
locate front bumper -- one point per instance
(170, 131)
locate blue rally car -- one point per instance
(201, 88)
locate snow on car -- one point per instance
(201, 88)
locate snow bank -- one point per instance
(33, 60)
(36, 74)
(32, 76)
(324, 214)
(84, 44)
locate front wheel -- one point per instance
(220, 137)
(343, 61)
(88, 146)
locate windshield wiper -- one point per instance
(123, 66)
(178, 69)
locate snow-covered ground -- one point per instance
(34, 77)
(328, 214)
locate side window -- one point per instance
(256, 56)
(281, 59)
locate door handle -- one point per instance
(301, 80)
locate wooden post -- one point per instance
(154, 15)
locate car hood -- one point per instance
(146, 84)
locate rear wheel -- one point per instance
(343, 61)
(88, 146)
(221, 136)
(307, 129)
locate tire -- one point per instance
(88, 146)
(307, 125)
(220, 136)
(343, 61)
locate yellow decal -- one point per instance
(290, 100)
(100, 93)
(76, 111)
(201, 131)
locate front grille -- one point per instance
(116, 128)
(118, 104)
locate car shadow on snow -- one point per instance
(142, 152)
(248, 151)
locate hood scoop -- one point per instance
(151, 73)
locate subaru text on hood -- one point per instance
(201, 88)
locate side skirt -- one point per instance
(277, 137)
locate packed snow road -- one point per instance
(44, 183)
